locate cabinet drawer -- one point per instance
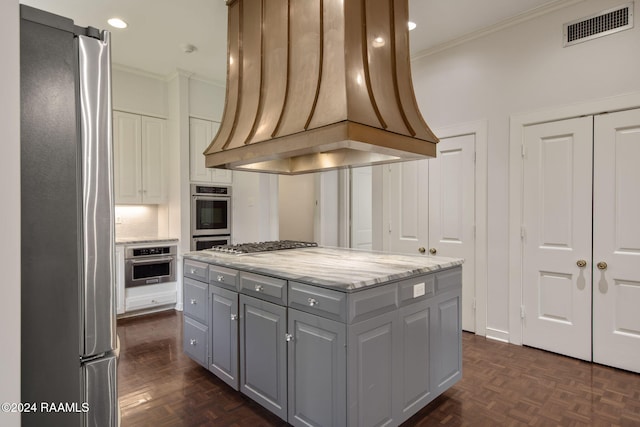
(195, 341)
(196, 270)
(195, 299)
(323, 302)
(448, 279)
(416, 289)
(223, 277)
(150, 301)
(372, 302)
(264, 287)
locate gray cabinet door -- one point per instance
(415, 331)
(317, 371)
(447, 336)
(263, 357)
(373, 383)
(223, 327)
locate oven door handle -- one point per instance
(213, 198)
(151, 260)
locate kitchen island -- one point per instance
(327, 336)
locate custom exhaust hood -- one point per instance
(318, 84)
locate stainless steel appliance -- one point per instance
(149, 265)
(68, 329)
(210, 215)
(275, 245)
(199, 243)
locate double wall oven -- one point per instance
(210, 216)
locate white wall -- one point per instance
(520, 69)
(10, 212)
(296, 206)
(255, 207)
(206, 99)
(139, 92)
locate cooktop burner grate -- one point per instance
(248, 248)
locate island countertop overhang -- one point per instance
(340, 269)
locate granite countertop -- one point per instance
(143, 239)
(336, 268)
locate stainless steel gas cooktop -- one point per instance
(249, 248)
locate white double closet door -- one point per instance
(581, 238)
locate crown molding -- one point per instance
(137, 71)
(546, 8)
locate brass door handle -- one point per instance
(601, 265)
(422, 250)
(581, 263)
(433, 251)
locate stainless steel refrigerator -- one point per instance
(68, 366)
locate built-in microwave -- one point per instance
(149, 265)
(210, 211)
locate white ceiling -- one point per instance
(158, 28)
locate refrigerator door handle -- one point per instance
(98, 304)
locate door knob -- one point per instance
(422, 250)
(602, 265)
(581, 263)
(433, 251)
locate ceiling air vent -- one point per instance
(598, 25)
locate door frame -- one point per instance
(480, 130)
(517, 123)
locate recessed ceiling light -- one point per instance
(117, 23)
(188, 48)
(412, 25)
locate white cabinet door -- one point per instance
(408, 226)
(452, 212)
(153, 160)
(557, 235)
(127, 158)
(201, 133)
(139, 159)
(199, 139)
(616, 240)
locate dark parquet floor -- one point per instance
(502, 385)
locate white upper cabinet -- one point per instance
(139, 159)
(201, 133)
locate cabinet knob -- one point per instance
(422, 250)
(602, 265)
(288, 337)
(259, 288)
(193, 341)
(433, 251)
(234, 317)
(193, 271)
(153, 301)
(312, 302)
(220, 278)
(581, 263)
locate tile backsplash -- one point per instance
(136, 221)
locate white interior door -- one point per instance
(452, 212)
(616, 242)
(408, 226)
(557, 236)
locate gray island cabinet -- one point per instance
(327, 336)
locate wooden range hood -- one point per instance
(318, 84)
